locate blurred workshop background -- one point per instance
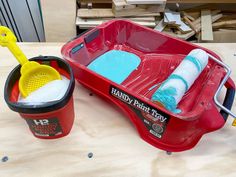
(61, 20)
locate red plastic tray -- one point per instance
(159, 54)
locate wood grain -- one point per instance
(103, 130)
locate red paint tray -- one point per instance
(160, 54)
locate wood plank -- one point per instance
(165, 20)
(213, 13)
(96, 1)
(194, 14)
(146, 1)
(120, 8)
(95, 13)
(90, 23)
(96, 5)
(198, 28)
(170, 18)
(160, 26)
(223, 29)
(225, 36)
(184, 28)
(122, 4)
(107, 13)
(59, 19)
(174, 18)
(227, 23)
(154, 14)
(142, 19)
(201, 1)
(102, 129)
(188, 16)
(206, 25)
(190, 23)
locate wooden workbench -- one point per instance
(103, 130)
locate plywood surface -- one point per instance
(103, 130)
(59, 19)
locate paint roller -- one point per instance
(171, 91)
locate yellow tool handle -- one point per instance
(16, 51)
(8, 39)
(234, 123)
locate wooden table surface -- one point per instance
(103, 130)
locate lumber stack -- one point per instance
(199, 26)
(122, 8)
(94, 12)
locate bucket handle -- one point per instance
(225, 108)
(228, 102)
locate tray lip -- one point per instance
(191, 115)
